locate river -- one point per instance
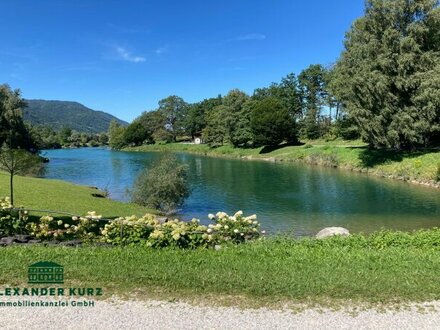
(286, 197)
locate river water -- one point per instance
(286, 197)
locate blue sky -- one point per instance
(124, 56)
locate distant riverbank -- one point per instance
(419, 167)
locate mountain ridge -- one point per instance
(58, 114)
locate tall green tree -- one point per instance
(312, 85)
(13, 131)
(271, 123)
(116, 135)
(195, 120)
(237, 118)
(388, 75)
(65, 134)
(215, 132)
(137, 134)
(174, 109)
(287, 92)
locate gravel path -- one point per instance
(165, 315)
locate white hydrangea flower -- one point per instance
(221, 215)
(238, 214)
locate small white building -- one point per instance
(198, 140)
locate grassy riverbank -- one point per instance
(421, 166)
(387, 268)
(44, 194)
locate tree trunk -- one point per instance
(11, 185)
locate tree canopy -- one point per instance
(13, 131)
(388, 76)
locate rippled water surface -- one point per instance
(285, 197)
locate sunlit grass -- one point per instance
(44, 194)
(264, 272)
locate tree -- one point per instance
(164, 186)
(271, 123)
(195, 120)
(18, 162)
(229, 122)
(116, 135)
(312, 85)
(13, 131)
(215, 131)
(287, 92)
(388, 75)
(174, 109)
(136, 134)
(239, 125)
(65, 134)
(237, 118)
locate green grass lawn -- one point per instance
(44, 194)
(270, 272)
(422, 166)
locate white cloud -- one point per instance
(125, 55)
(161, 50)
(251, 36)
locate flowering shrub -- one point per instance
(192, 234)
(146, 230)
(178, 233)
(11, 221)
(129, 230)
(236, 228)
(51, 228)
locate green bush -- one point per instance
(164, 186)
(11, 221)
(129, 230)
(180, 234)
(48, 227)
(175, 233)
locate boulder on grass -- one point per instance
(6, 241)
(332, 231)
(22, 238)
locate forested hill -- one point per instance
(58, 114)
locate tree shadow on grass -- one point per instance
(268, 149)
(373, 157)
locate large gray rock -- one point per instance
(22, 238)
(332, 231)
(5, 241)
